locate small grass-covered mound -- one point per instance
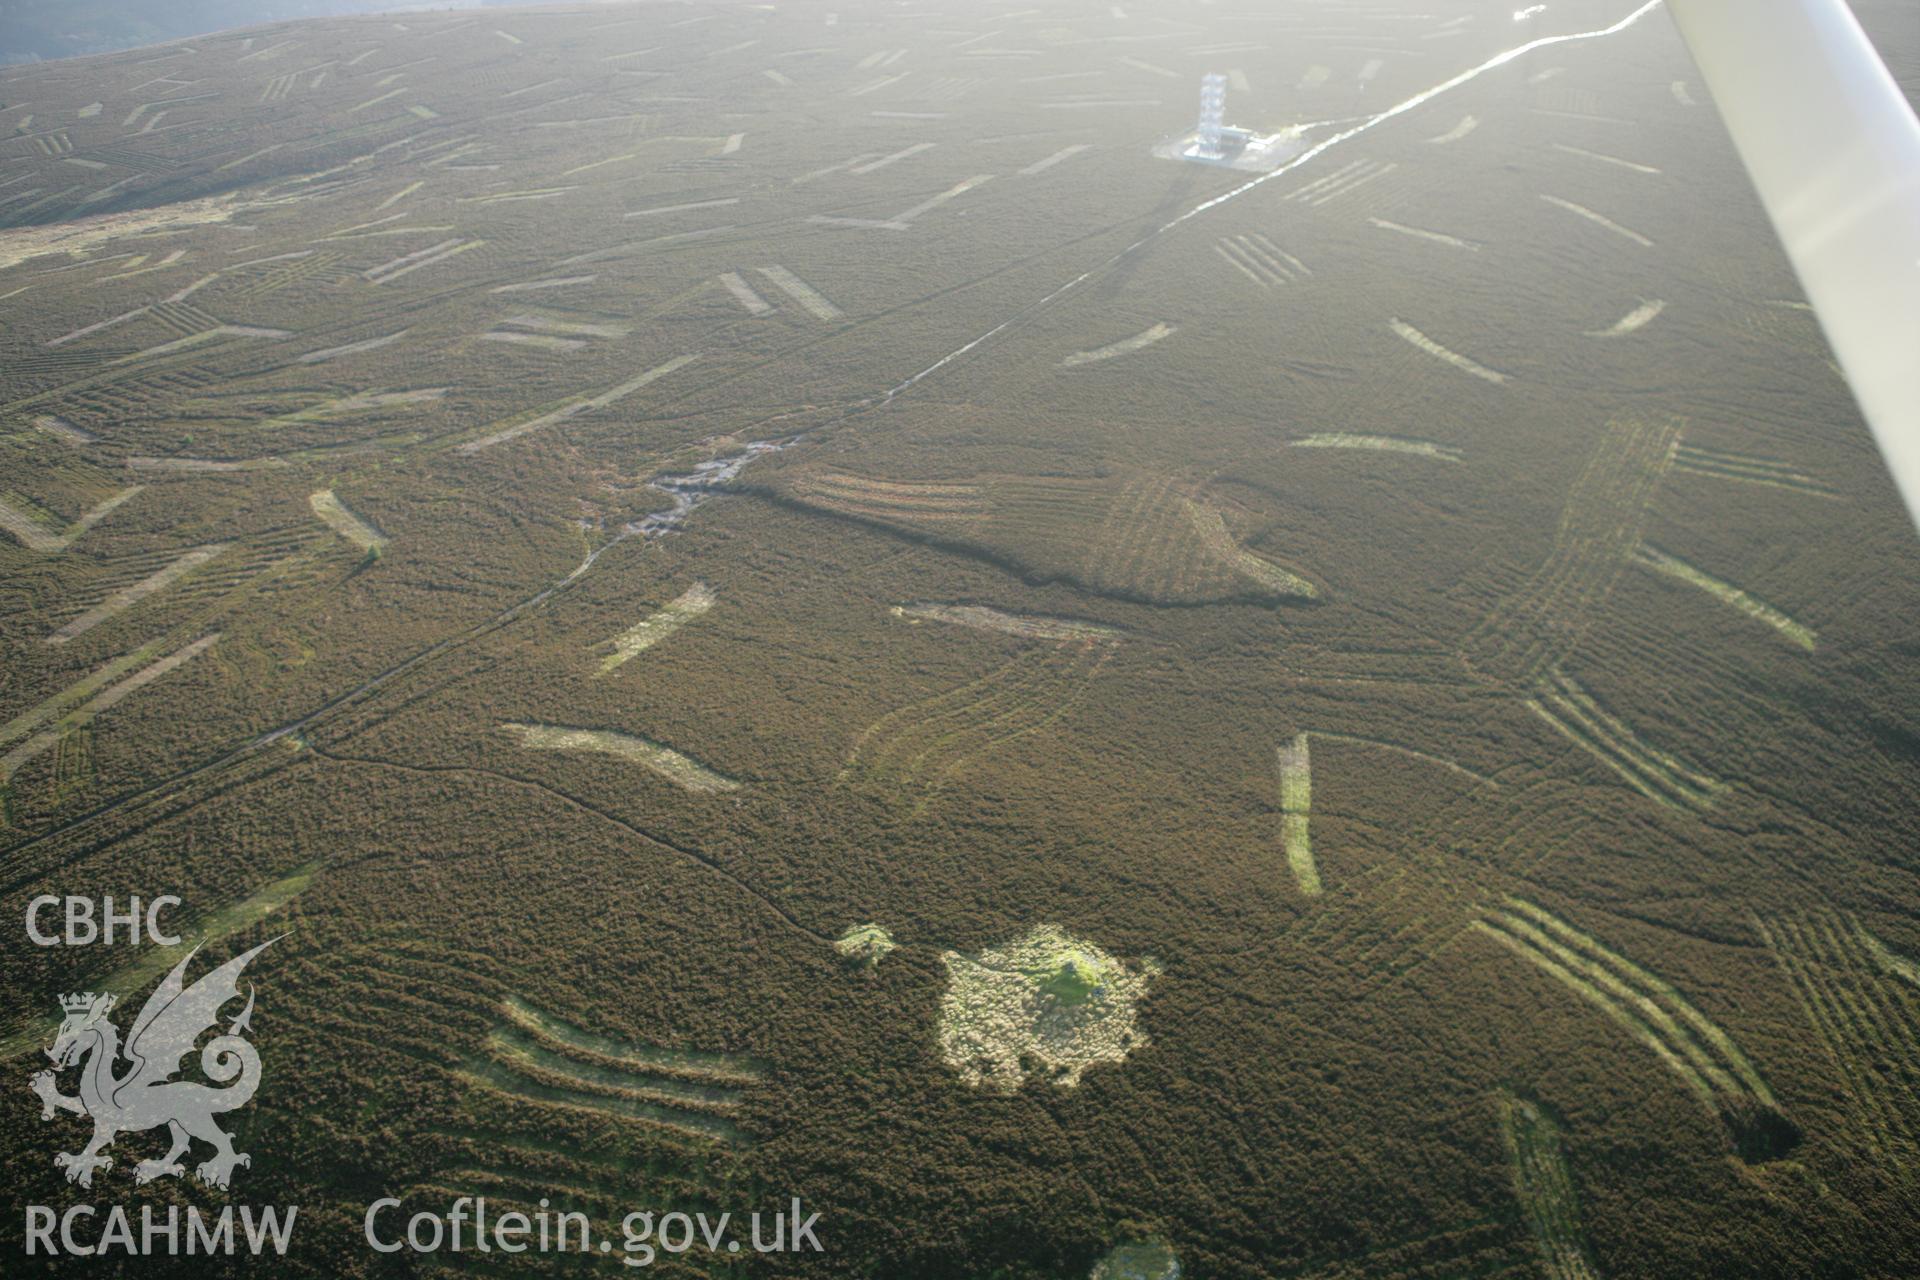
(865, 944)
(1072, 977)
(1147, 1260)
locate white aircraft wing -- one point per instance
(1834, 149)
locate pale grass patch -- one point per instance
(655, 627)
(1123, 347)
(682, 771)
(1049, 998)
(327, 505)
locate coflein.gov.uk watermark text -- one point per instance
(467, 1225)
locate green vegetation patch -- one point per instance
(1574, 713)
(1071, 978)
(724, 1067)
(1544, 1187)
(1726, 593)
(536, 1056)
(1650, 1010)
(1296, 813)
(102, 701)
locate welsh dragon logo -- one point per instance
(144, 1095)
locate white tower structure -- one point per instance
(1213, 108)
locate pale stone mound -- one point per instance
(865, 944)
(1049, 998)
(1151, 1260)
